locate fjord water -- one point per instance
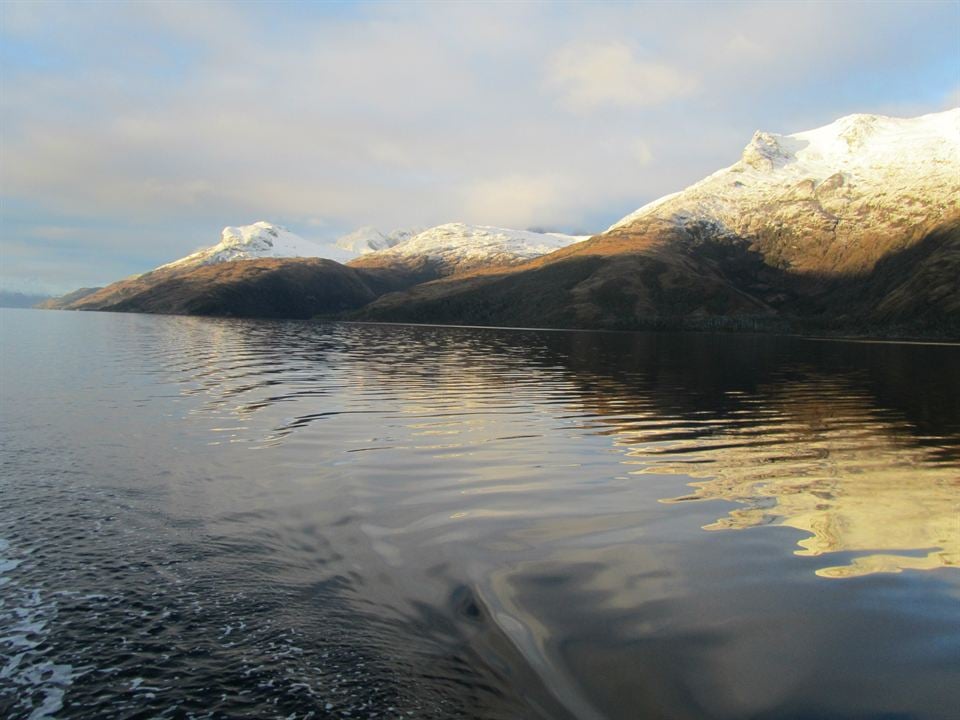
(226, 518)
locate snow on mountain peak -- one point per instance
(462, 245)
(248, 242)
(454, 244)
(855, 129)
(910, 165)
(767, 151)
(362, 240)
(258, 236)
(369, 239)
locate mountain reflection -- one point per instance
(819, 457)
(848, 447)
(858, 445)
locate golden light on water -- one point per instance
(852, 477)
(898, 520)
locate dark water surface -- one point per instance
(216, 518)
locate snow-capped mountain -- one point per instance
(456, 247)
(382, 262)
(453, 244)
(267, 240)
(250, 242)
(857, 179)
(369, 239)
(850, 227)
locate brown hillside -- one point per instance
(289, 287)
(661, 275)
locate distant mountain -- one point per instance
(450, 247)
(266, 287)
(65, 301)
(383, 262)
(368, 239)
(10, 299)
(851, 226)
(255, 242)
(240, 257)
(262, 240)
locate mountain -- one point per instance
(267, 240)
(853, 227)
(254, 242)
(448, 247)
(11, 299)
(368, 239)
(242, 258)
(457, 248)
(849, 226)
(265, 287)
(209, 281)
(65, 301)
(829, 199)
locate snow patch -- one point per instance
(267, 240)
(251, 242)
(369, 239)
(458, 243)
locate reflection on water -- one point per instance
(294, 519)
(817, 455)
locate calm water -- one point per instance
(215, 518)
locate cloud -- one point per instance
(591, 76)
(741, 47)
(518, 200)
(641, 152)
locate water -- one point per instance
(217, 518)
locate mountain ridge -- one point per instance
(407, 256)
(770, 239)
(856, 223)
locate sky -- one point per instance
(132, 133)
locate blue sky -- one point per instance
(130, 134)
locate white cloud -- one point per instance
(593, 75)
(741, 47)
(640, 150)
(518, 200)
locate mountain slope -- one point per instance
(177, 287)
(816, 228)
(910, 292)
(834, 199)
(65, 301)
(267, 287)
